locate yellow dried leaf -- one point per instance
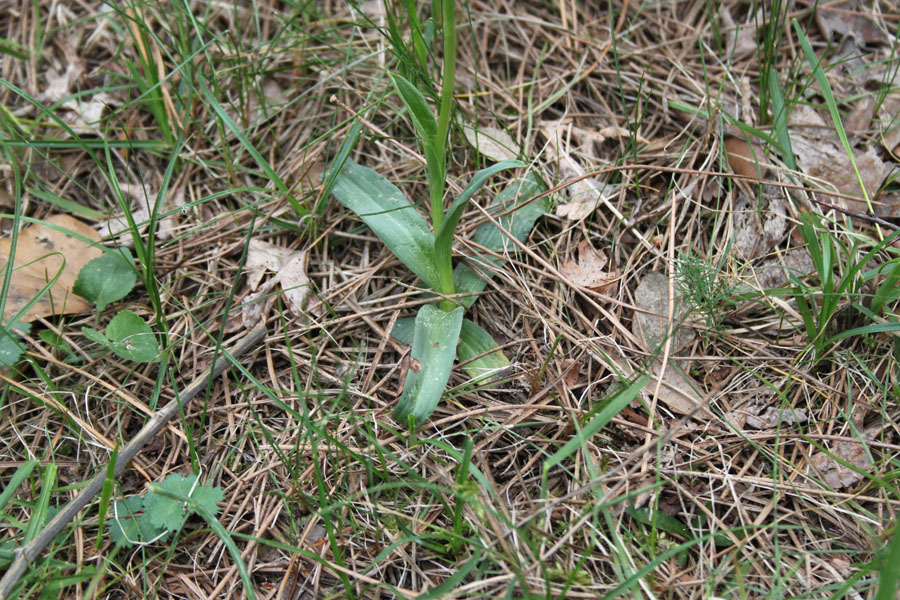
(41, 253)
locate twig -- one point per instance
(30, 551)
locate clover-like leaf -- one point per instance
(168, 513)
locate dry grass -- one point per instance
(329, 497)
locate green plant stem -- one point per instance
(448, 82)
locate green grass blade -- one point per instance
(475, 341)
(39, 514)
(779, 121)
(433, 351)
(109, 483)
(890, 570)
(390, 215)
(253, 152)
(831, 103)
(613, 407)
(15, 481)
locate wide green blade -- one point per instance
(472, 278)
(434, 347)
(475, 341)
(391, 216)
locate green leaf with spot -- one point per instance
(431, 361)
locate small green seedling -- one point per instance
(129, 336)
(107, 278)
(439, 332)
(150, 518)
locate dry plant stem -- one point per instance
(29, 552)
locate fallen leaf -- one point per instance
(740, 40)
(584, 197)
(753, 238)
(589, 271)
(826, 161)
(743, 158)
(675, 390)
(848, 19)
(492, 142)
(833, 473)
(262, 257)
(295, 284)
(650, 322)
(772, 417)
(41, 253)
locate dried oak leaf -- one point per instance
(42, 253)
(492, 142)
(589, 271)
(833, 473)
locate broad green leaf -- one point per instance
(475, 341)
(434, 347)
(404, 330)
(128, 525)
(390, 215)
(472, 278)
(107, 278)
(166, 513)
(443, 239)
(129, 336)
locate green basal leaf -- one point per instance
(472, 278)
(433, 351)
(404, 330)
(475, 341)
(390, 215)
(107, 278)
(443, 239)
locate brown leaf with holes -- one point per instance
(588, 271)
(41, 254)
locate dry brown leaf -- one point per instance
(772, 417)
(826, 160)
(650, 322)
(848, 19)
(41, 254)
(740, 40)
(589, 271)
(675, 390)
(492, 142)
(262, 257)
(744, 158)
(295, 284)
(836, 475)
